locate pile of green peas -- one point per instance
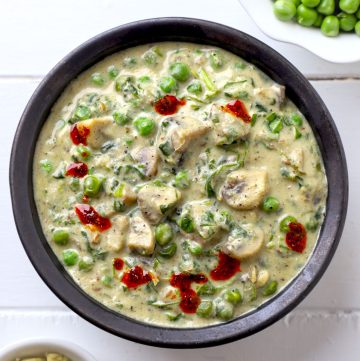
(330, 16)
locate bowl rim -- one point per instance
(28, 346)
(298, 89)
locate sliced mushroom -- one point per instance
(155, 200)
(98, 135)
(116, 236)
(141, 237)
(244, 189)
(244, 242)
(149, 157)
(228, 128)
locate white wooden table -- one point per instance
(34, 35)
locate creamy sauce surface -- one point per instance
(178, 185)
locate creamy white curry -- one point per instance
(178, 185)
(50, 356)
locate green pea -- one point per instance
(107, 280)
(205, 309)
(270, 204)
(225, 310)
(163, 234)
(186, 224)
(86, 264)
(61, 236)
(97, 79)
(349, 6)
(92, 185)
(311, 3)
(70, 257)
(121, 118)
(180, 71)
(284, 10)
(347, 21)
(169, 250)
(168, 84)
(46, 165)
(357, 28)
(330, 26)
(83, 151)
(326, 7)
(284, 223)
(144, 125)
(82, 112)
(270, 288)
(358, 13)
(195, 248)
(207, 289)
(276, 126)
(182, 180)
(306, 16)
(113, 71)
(296, 119)
(216, 59)
(318, 20)
(195, 88)
(233, 296)
(150, 57)
(296, 2)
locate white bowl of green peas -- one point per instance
(327, 28)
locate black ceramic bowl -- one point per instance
(298, 89)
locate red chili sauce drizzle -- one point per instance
(78, 134)
(237, 108)
(89, 216)
(226, 268)
(189, 299)
(168, 105)
(77, 170)
(118, 264)
(296, 237)
(136, 277)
